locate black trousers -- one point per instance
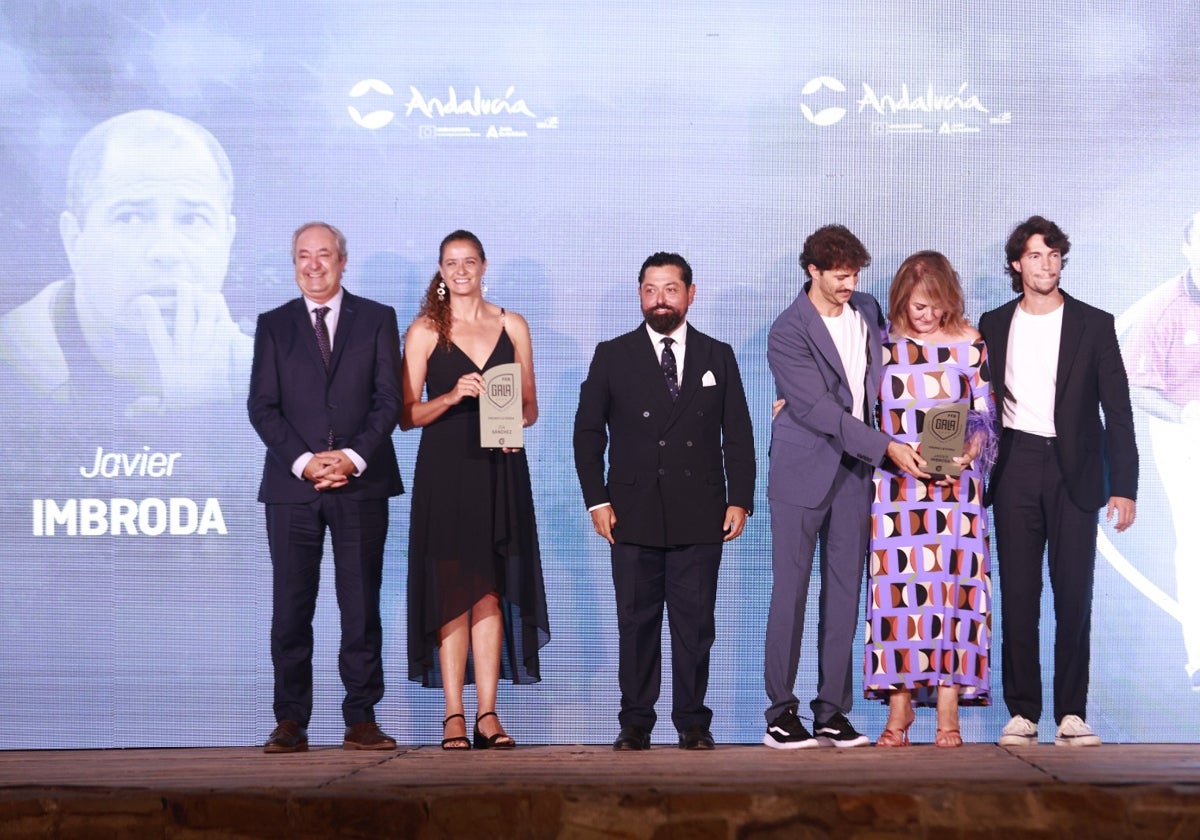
(1032, 511)
(684, 578)
(296, 536)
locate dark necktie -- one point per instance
(322, 334)
(668, 368)
(326, 349)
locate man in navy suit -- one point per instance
(324, 398)
(667, 403)
(1058, 465)
(825, 352)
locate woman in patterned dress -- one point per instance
(928, 619)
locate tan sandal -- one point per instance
(948, 738)
(893, 737)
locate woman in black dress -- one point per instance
(476, 602)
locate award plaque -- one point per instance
(942, 439)
(500, 425)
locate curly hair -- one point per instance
(933, 274)
(834, 246)
(1031, 227)
(436, 307)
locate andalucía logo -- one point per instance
(478, 114)
(953, 111)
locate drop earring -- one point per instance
(441, 291)
(483, 287)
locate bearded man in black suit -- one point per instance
(667, 403)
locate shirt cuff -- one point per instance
(597, 507)
(360, 465)
(300, 463)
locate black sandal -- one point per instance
(457, 742)
(496, 741)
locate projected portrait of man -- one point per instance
(141, 322)
(1162, 348)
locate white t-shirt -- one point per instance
(1032, 371)
(849, 333)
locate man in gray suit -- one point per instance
(825, 354)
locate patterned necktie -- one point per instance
(668, 368)
(322, 334)
(323, 345)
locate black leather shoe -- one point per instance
(367, 736)
(696, 739)
(632, 738)
(287, 737)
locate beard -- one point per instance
(664, 320)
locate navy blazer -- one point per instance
(294, 402)
(816, 427)
(1098, 460)
(670, 463)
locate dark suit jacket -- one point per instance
(1098, 460)
(294, 402)
(668, 461)
(815, 428)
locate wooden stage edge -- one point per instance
(744, 792)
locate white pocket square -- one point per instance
(708, 380)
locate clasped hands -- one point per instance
(329, 470)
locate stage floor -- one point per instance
(592, 792)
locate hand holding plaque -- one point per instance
(942, 439)
(501, 422)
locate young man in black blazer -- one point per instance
(667, 403)
(1058, 465)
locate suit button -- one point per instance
(662, 443)
(661, 471)
(645, 413)
(689, 443)
(699, 413)
(687, 473)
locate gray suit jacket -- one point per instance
(816, 427)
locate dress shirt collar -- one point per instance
(334, 304)
(679, 334)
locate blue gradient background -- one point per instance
(679, 128)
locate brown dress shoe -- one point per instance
(367, 736)
(287, 737)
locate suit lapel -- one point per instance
(306, 336)
(1068, 344)
(812, 323)
(645, 367)
(345, 329)
(998, 352)
(696, 362)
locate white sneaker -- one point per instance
(1020, 732)
(1073, 732)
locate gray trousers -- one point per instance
(841, 526)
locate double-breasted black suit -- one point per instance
(295, 405)
(673, 469)
(1048, 491)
